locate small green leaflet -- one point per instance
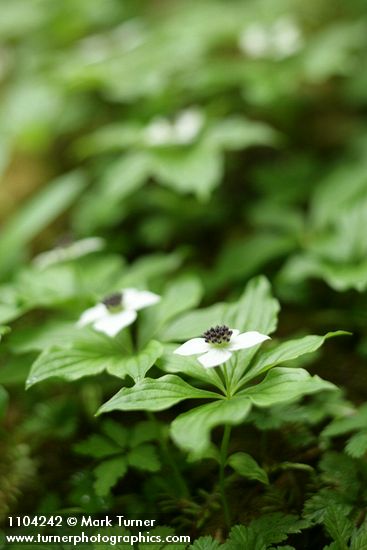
(37, 214)
(284, 384)
(179, 296)
(287, 351)
(191, 430)
(92, 356)
(107, 473)
(246, 466)
(155, 395)
(3, 330)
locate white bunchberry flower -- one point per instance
(254, 41)
(182, 131)
(218, 343)
(286, 37)
(188, 125)
(117, 310)
(67, 250)
(158, 132)
(277, 41)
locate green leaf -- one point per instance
(359, 538)
(173, 363)
(332, 195)
(123, 177)
(61, 283)
(196, 169)
(276, 527)
(338, 525)
(353, 420)
(107, 474)
(316, 507)
(91, 355)
(154, 395)
(37, 214)
(205, 543)
(97, 275)
(255, 310)
(194, 323)
(153, 266)
(238, 133)
(119, 434)
(243, 258)
(138, 365)
(97, 446)
(284, 384)
(50, 287)
(287, 351)
(179, 296)
(357, 445)
(242, 537)
(263, 532)
(191, 430)
(144, 457)
(4, 330)
(10, 308)
(15, 370)
(341, 472)
(50, 334)
(142, 432)
(246, 466)
(340, 277)
(104, 205)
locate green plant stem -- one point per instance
(170, 461)
(227, 381)
(222, 465)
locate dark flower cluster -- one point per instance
(113, 300)
(218, 335)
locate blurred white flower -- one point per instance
(182, 131)
(159, 132)
(287, 37)
(68, 250)
(279, 40)
(188, 125)
(218, 343)
(117, 310)
(254, 41)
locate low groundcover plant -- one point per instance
(246, 375)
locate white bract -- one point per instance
(218, 343)
(277, 41)
(118, 310)
(69, 251)
(182, 131)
